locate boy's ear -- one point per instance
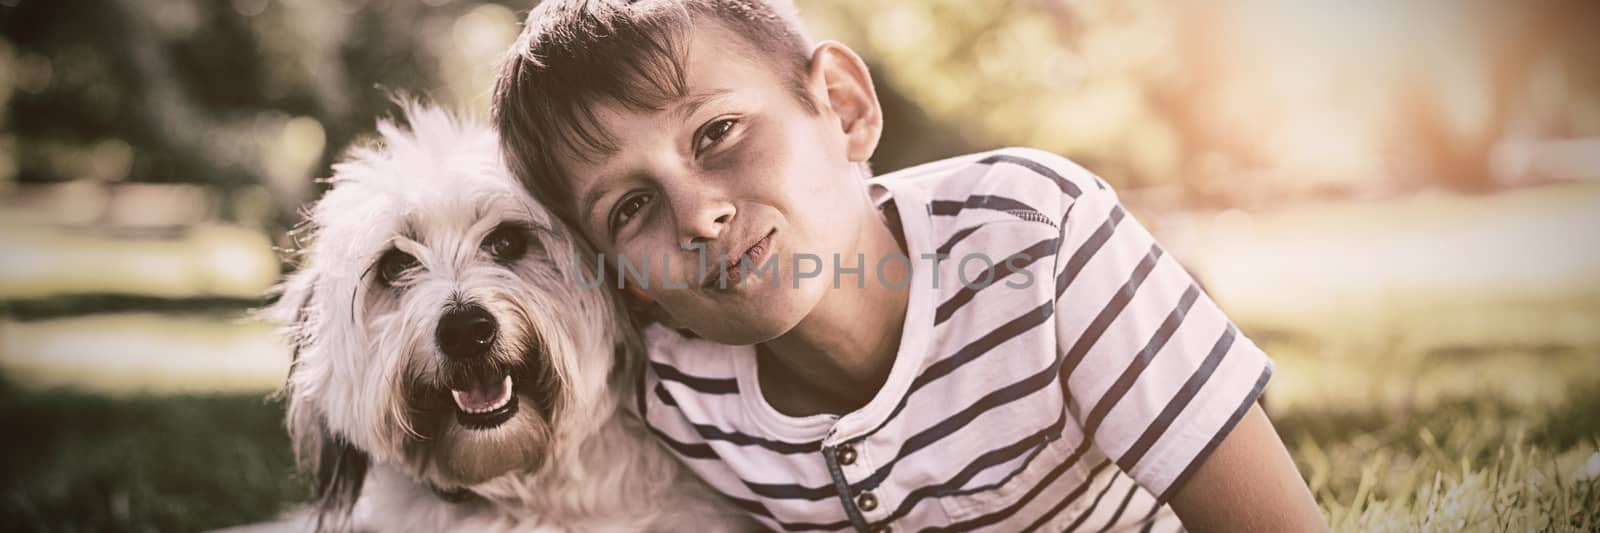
(846, 90)
(638, 295)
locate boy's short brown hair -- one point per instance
(573, 54)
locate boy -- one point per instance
(985, 342)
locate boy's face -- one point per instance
(740, 167)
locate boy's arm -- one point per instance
(1156, 374)
(1248, 483)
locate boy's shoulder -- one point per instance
(1003, 180)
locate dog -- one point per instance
(450, 372)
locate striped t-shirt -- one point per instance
(1075, 391)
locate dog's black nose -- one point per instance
(465, 331)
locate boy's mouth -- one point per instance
(727, 273)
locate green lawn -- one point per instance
(81, 462)
(1473, 464)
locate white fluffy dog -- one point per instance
(450, 371)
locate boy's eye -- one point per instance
(713, 133)
(393, 265)
(626, 209)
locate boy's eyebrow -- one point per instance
(687, 106)
(590, 197)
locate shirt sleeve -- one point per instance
(1154, 372)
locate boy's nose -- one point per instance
(702, 219)
(702, 239)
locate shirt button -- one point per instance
(866, 502)
(846, 455)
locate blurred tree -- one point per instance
(1075, 78)
(1240, 102)
(224, 94)
(1147, 93)
(1455, 140)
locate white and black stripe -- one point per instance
(1076, 403)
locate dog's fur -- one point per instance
(369, 408)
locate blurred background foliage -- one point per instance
(1398, 200)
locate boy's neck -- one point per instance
(838, 357)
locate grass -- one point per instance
(1473, 463)
(82, 462)
(1431, 417)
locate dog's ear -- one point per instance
(339, 468)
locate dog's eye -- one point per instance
(393, 265)
(506, 243)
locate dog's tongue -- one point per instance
(483, 396)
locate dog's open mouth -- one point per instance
(485, 403)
